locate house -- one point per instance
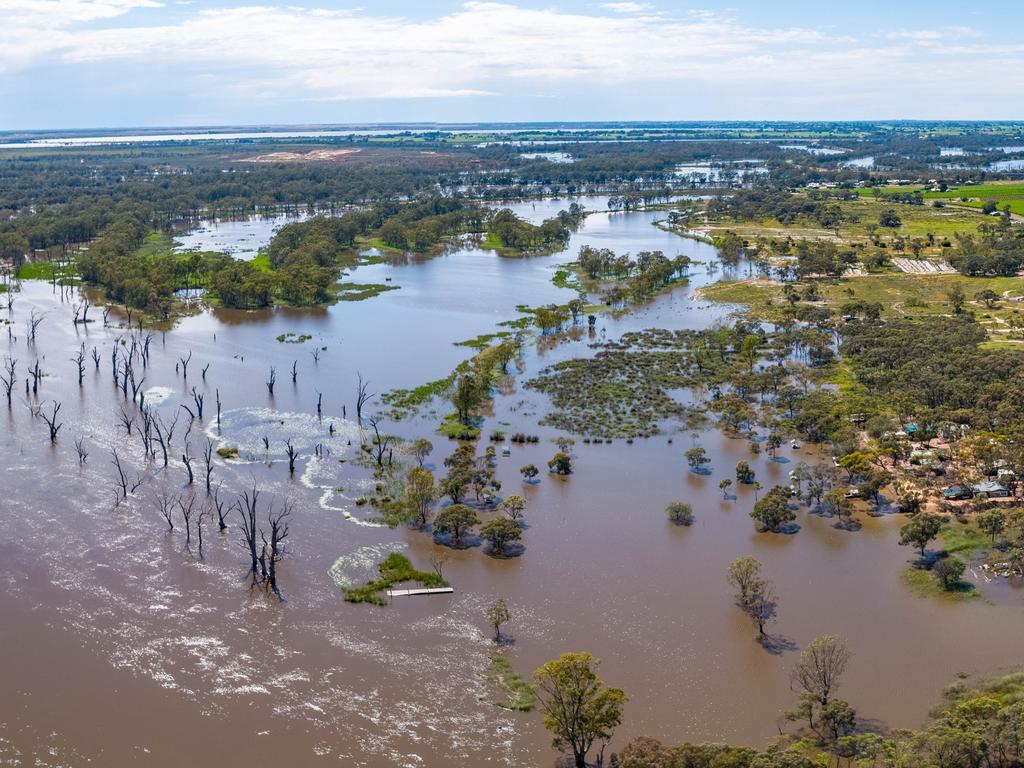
(957, 493)
(992, 489)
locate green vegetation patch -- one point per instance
(924, 583)
(396, 568)
(361, 291)
(519, 695)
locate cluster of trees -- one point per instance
(781, 205)
(455, 523)
(934, 369)
(995, 251)
(641, 277)
(975, 726)
(514, 232)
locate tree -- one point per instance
(761, 604)
(949, 571)
(744, 573)
(420, 494)
(513, 506)
(680, 513)
(455, 521)
(773, 510)
(497, 614)
(420, 449)
(467, 395)
(920, 531)
(529, 471)
(744, 473)
(561, 463)
(578, 708)
(499, 533)
(838, 718)
(889, 218)
(992, 522)
(956, 298)
(821, 665)
(696, 457)
(724, 487)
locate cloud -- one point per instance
(627, 7)
(483, 49)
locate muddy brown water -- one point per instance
(123, 647)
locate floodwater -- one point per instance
(241, 237)
(122, 646)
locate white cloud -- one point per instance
(289, 53)
(627, 7)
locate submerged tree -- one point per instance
(497, 614)
(820, 667)
(579, 709)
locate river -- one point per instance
(122, 646)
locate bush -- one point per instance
(680, 513)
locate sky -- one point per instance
(145, 63)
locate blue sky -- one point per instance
(112, 63)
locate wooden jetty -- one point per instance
(420, 591)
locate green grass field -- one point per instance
(861, 215)
(970, 195)
(901, 295)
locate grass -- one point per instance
(925, 584)
(901, 295)
(970, 195)
(918, 221)
(454, 429)
(564, 278)
(46, 270)
(519, 695)
(361, 291)
(483, 340)
(394, 569)
(408, 399)
(957, 537)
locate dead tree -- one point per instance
(96, 358)
(247, 508)
(221, 507)
(8, 378)
(36, 374)
(184, 364)
(295, 371)
(165, 506)
(80, 448)
(32, 325)
(186, 459)
(51, 421)
(198, 398)
(127, 420)
(272, 380)
(381, 444)
(187, 510)
(204, 513)
(205, 369)
(106, 314)
(113, 362)
(216, 393)
(208, 463)
(81, 312)
(292, 455)
(122, 479)
(79, 360)
(278, 522)
(316, 355)
(319, 406)
(362, 396)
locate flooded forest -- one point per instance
(324, 448)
